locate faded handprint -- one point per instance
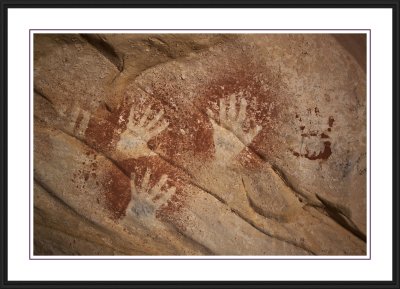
(147, 200)
(231, 119)
(77, 120)
(133, 141)
(314, 142)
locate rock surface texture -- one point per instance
(207, 144)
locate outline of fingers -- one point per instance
(77, 119)
(157, 195)
(234, 119)
(147, 128)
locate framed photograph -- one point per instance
(202, 145)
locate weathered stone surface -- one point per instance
(189, 144)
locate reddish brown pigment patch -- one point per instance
(192, 134)
(88, 170)
(295, 153)
(247, 82)
(101, 132)
(330, 121)
(263, 91)
(187, 133)
(312, 133)
(323, 135)
(117, 193)
(324, 155)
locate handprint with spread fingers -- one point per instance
(232, 119)
(146, 200)
(133, 141)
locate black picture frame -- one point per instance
(8, 4)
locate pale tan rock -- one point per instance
(200, 144)
(69, 72)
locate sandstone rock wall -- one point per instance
(199, 144)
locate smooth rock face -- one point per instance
(207, 144)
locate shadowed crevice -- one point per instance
(196, 244)
(336, 213)
(105, 49)
(36, 91)
(339, 217)
(251, 223)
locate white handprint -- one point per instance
(231, 140)
(234, 121)
(133, 141)
(146, 200)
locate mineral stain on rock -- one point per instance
(116, 192)
(198, 144)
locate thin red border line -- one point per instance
(207, 259)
